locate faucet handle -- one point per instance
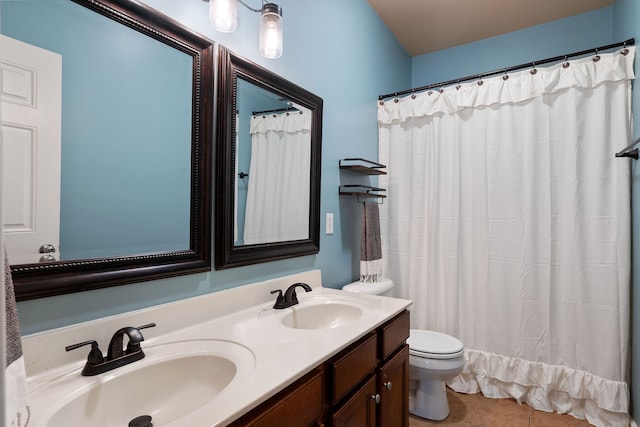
(95, 356)
(133, 345)
(279, 300)
(148, 325)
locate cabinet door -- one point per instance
(393, 386)
(360, 409)
(352, 367)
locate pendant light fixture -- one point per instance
(223, 16)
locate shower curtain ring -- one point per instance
(566, 63)
(624, 51)
(458, 86)
(533, 70)
(506, 76)
(596, 57)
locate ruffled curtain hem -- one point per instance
(545, 387)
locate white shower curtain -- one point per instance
(508, 223)
(279, 178)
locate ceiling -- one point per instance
(424, 26)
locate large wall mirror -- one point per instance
(134, 123)
(269, 141)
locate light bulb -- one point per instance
(223, 15)
(271, 31)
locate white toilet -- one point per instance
(433, 358)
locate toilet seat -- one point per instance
(434, 345)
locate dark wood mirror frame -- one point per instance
(227, 254)
(42, 280)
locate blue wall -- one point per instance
(348, 64)
(572, 34)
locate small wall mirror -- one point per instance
(269, 143)
(135, 157)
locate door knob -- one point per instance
(388, 385)
(47, 258)
(376, 397)
(47, 249)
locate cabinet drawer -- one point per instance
(393, 334)
(299, 405)
(352, 367)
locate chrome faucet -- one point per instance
(290, 298)
(116, 355)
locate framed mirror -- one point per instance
(268, 154)
(136, 145)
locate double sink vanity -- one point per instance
(230, 358)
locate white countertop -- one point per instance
(243, 316)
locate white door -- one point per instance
(30, 119)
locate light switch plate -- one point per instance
(329, 224)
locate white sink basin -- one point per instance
(320, 312)
(321, 316)
(171, 382)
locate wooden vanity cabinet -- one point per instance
(365, 385)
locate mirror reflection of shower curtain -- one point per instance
(279, 178)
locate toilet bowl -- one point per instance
(433, 358)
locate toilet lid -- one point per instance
(434, 344)
(373, 288)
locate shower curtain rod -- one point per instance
(277, 110)
(533, 64)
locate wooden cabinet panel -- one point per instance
(393, 380)
(359, 410)
(393, 334)
(300, 405)
(350, 369)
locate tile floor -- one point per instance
(474, 410)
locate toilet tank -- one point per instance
(383, 287)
